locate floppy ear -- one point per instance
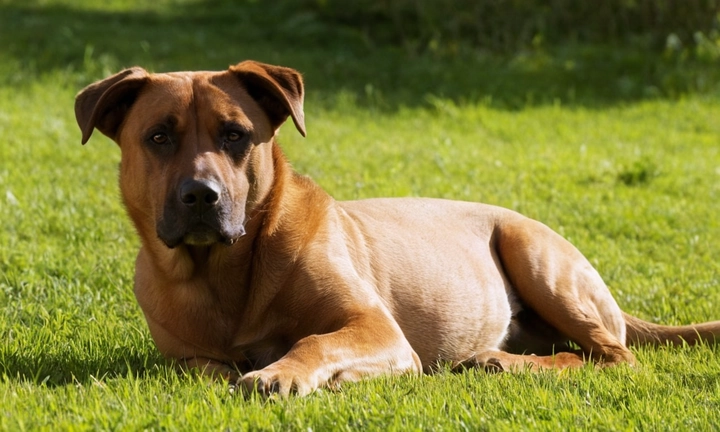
(278, 90)
(103, 104)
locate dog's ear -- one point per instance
(278, 90)
(103, 104)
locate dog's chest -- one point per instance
(192, 315)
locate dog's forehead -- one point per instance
(205, 95)
(179, 88)
(198, 82)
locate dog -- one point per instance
(251, 272)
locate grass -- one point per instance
(619, 154)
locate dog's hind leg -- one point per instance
(556, 281)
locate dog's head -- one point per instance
(196, 146)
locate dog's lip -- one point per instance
(199, 232)
(203, 234)
(231, 239)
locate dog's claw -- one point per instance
(493, 365)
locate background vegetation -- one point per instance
(598, 118)
(504, 25)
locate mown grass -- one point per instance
(614, 155)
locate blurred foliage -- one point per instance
(502, 25)
(382, 54)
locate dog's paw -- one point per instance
(275, 380)
(487, 363)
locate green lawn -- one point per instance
(615, 148)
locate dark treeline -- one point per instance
(502, 25)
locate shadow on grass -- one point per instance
(336, 59)
(57, 370)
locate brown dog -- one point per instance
(246, 266)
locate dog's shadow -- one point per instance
(59, 369)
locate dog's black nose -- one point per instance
(199, 194)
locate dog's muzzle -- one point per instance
(199, 215)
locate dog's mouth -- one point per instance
(202, 234)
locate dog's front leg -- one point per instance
(370, 344)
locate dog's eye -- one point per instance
(233, 137)
(236, 142)
(160, 138)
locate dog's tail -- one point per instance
(641, 332)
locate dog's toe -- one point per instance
(492, 365)
(269, 383)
